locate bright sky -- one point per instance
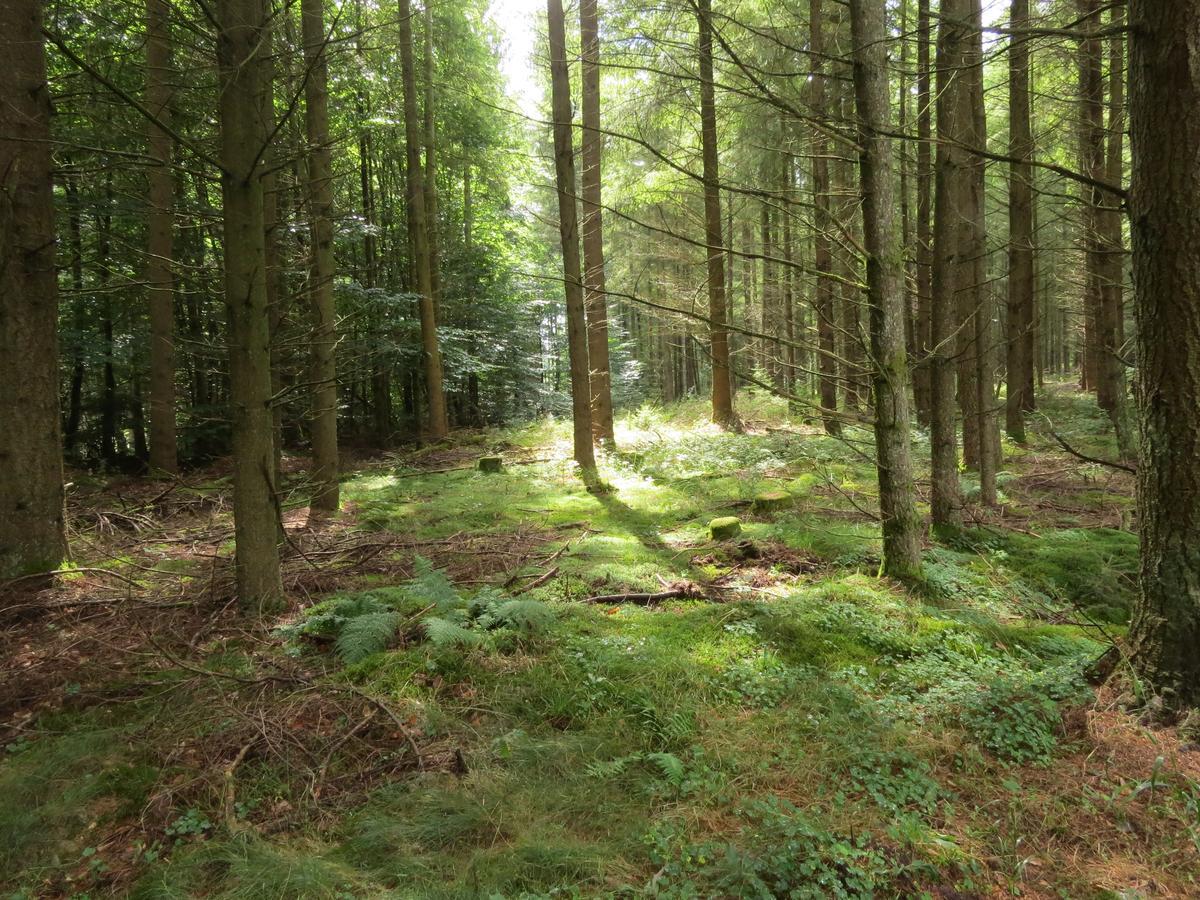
(517, 20)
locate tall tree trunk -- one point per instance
(1091, 163)
(432, 215)
(982, 303)
(75, 393)
(418, 230)
(564, 168)
(1111, 366)
(922, 380)
(822, 232)
(242, 41)
(323, 428)
(596, 300)
(952, 199)
(1019, 360)
(108, 399)
(885, 295)
(32, 534)
(160, 243)
(1164, 111)
(722, 388)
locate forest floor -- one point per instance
(504, 686)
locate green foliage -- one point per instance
(1018, 718)
(366, 634)
(896, 780)
(779, 852)
(367, 623)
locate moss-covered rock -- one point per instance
(491, 465)
(725, 528)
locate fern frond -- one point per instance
(611, 768)
(431, 587)
(366, 634)
(527, 615)
(445, 633)
(669, 764)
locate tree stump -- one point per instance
(771, 501)
(725, 528)
(491, 465)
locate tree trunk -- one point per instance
(596, 300)
(1112, 244)
(1020, 229)
(564, 168)
(885, 295)
(75, 393)
(242, 42)
(431, 188)
(922, 381)
(822, 236)
(32, 535)
(323, 428)
(952, 199)
(1164, 109)
(1091, 163)
(431, 349)
(160, 243)
(722, 391)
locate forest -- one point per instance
(521, 449)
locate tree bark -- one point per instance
(922, 377)
(1164, 109)
(1019, 343)
(595, 297)
(1111, 366)
(432, 216)
(323, 339)
(242, 40)
(32, 534)
(952, 199)
(885, 295)
(722, 390)
(564, 168)
(160, 243)
(823, 228)
(1091, 163)
(430, 347)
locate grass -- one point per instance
(818, 732)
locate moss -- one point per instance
(724, 528)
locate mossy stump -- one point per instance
(491, 465)
(725, 528)
(771, 501)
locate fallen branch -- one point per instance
(1112, 464)
(649, 599)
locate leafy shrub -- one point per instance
(779, 853)
(1017, 718)
(896, 780)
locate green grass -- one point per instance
(827, 731)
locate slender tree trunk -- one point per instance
(722, 389)
(823, 228)
(75, 394)
(564, 167)
(1111, 366)
(1020, 228)
(922, 380)
(32, 535)
(952, 199)
(885, 295)
(432, 216)
(323, 428)
(596, 300)
(160, 243)
(242, 41)
(1091, 163)
(418, 230)
(1164, 110)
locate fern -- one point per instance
(431, 587)
(610, 768)
(670, 765)
(366, 634)
(447, 633)
(530, 616)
